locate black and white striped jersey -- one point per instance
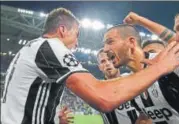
(124, 114)
(35, 81)
(161, 100)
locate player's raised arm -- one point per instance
(158, 29)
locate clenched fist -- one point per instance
(132, 18)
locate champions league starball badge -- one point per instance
(70, 60)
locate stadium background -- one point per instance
(19, 25)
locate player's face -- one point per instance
(106, 65)
(116, 48)
(176, 28)
(153, 48)
(72, 37)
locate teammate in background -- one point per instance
(39, 72)
(122, 43)
(153, 46)
(125, 113)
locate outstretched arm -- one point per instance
(164, 33)
(110, 94)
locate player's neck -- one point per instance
(111, 77)
(135, 64)
(53, 35)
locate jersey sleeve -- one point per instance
(56, 61)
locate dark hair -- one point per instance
(148, 42)
(59, 16)
(126, 30)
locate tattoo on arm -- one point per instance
(169, 36)
(166, 35)
(162, 35)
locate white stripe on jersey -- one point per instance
(40, 103)
(46, 99)
(42, 59)
(35, 106)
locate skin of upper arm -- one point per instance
(84, 85)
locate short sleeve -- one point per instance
(56, 61)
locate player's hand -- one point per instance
(167, 60)
(143, 119)
(132, 18)
(64, 116)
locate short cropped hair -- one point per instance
(59, 16)
(148, 42)
(126, 30)
(99, 52)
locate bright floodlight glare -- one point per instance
(87, 51)
(10, 52)
(109, 26)
(95, 52)
(24, 42)
(97, 25)
(8, 39)
(142, 34)
(86, 23)
(25, 11)
(154, 37)
(82, 49)
(4, 54)
(20, 41)
(73, 50)
(42, 14)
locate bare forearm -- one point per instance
(160, 30)
(110, 94)
(124, 89)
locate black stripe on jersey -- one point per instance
(43, 102)
(161, 122)
(112, 117)
(53, 100)
(147, 102)
(47, 61)
(38, 103)
(132, 115)
(169, 86)
(29, 105)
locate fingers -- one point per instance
(147, 61)
(175, 49)
(65, 108)
(170, 46)
(70, 117)
(70, 121)
(67, 112)
(127, 20)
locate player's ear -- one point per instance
(61, 30)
